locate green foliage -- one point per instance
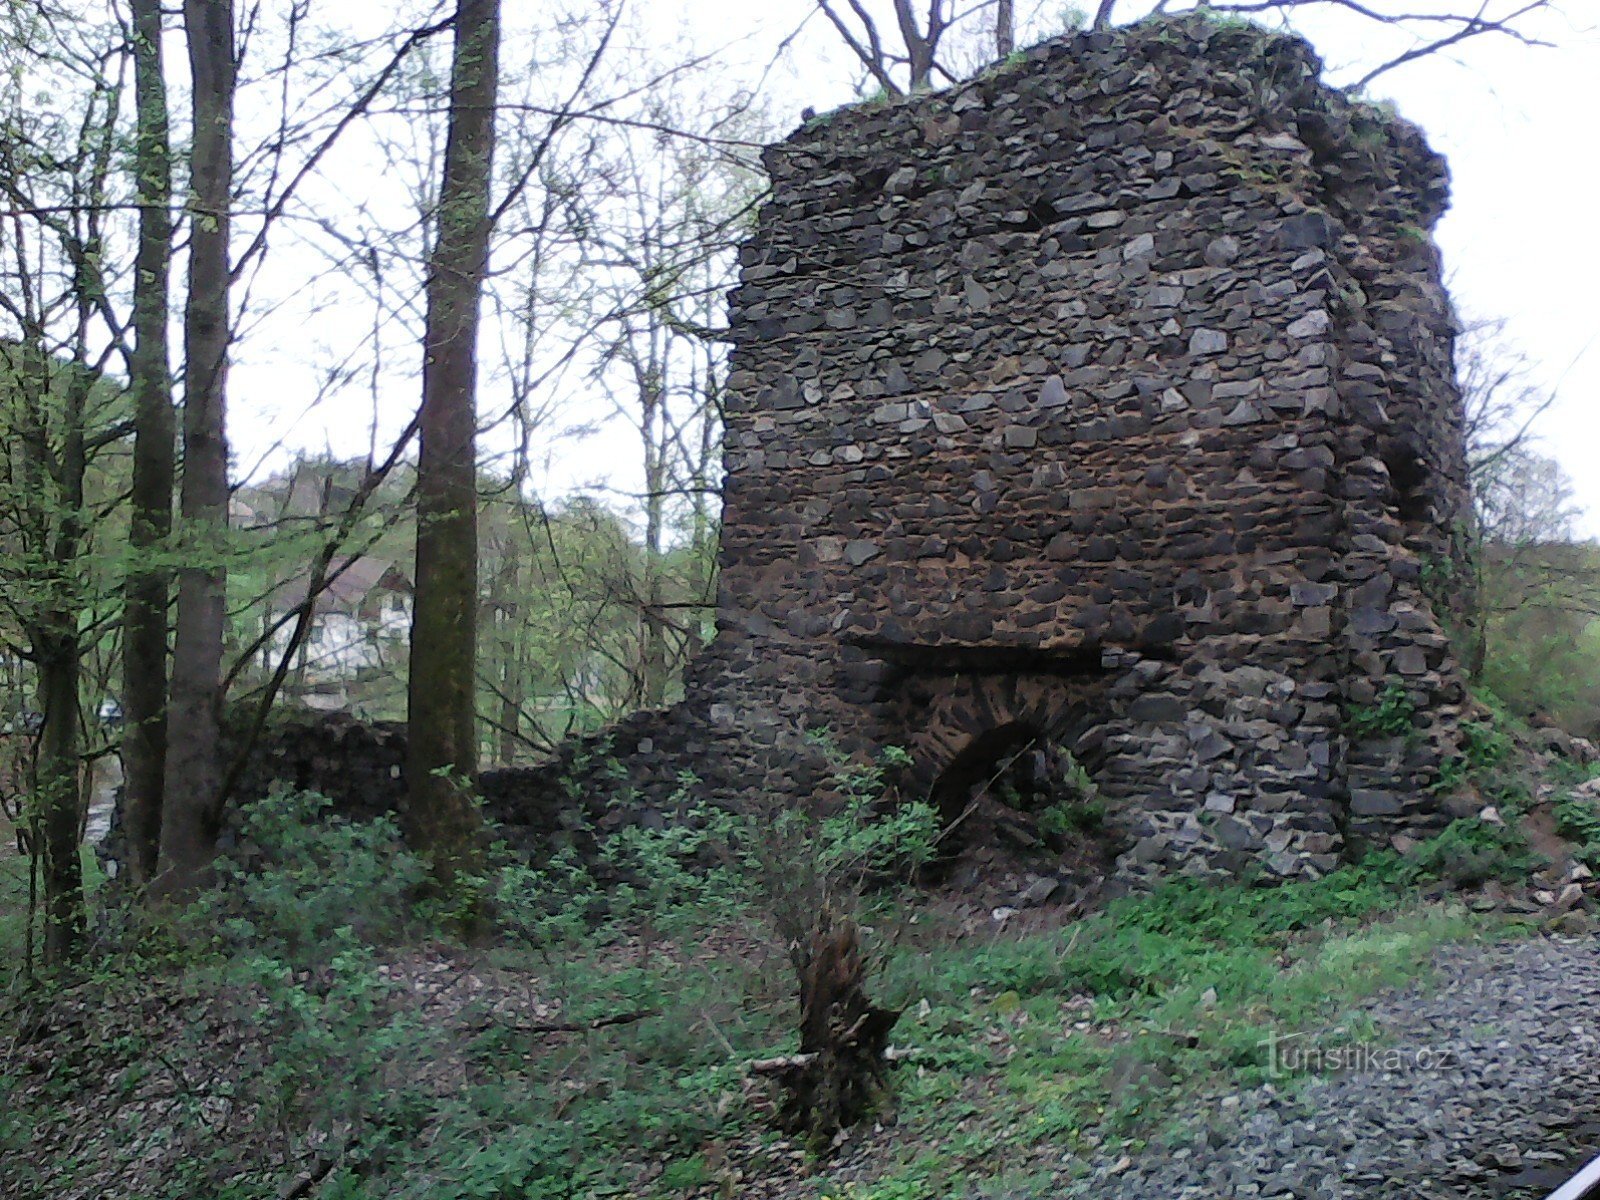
(675, 879)
(1390, 716)
(1070, 817)
(1166, 997)
(1472, 851)
(868, 835)
(1071, 18)
(1226, 20)
(343, 1048)
(1490, 761)
(439, 1103)
(1380, 112)
(550, 906)
(1578, 820)
(1437, 574)
(709, 868)
(1082, 812)
(301, 880)
(16, 1136)
(1147, 944)
(858, 842)
(1485, 746)
(1540, 637)
(14, 913)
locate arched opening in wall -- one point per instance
(1408, 476)
(1016, 797)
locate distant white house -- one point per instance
(359, 625)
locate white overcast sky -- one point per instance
(1520, 240)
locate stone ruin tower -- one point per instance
(1108, 399)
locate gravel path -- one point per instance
(1491, 1089)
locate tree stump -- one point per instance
(840, 1076)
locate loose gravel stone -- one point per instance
(1495, 1092)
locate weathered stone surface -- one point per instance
(1131, 426)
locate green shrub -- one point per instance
(1071, 817)
(1486, 758)
(1390, 716)
(1472, 851)
(344, 1051)
(299, 875)
(1578, 820)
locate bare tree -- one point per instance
(1431, 31)
(440, 818)
(144, 654)
(193, 775)
(905, 50)
(1525, 517)
(916, 51)
(1500, 401)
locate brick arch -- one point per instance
(970, 720)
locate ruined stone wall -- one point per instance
(1107, 398)
(360, 767)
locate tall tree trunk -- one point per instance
(440, 819)
(57, 795)
(1005, 28)
(922, 45)
(58, 650)
(509, 613)
(193, 781)
(149, 584)
(653, 668)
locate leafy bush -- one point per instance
(1072, 817)
(1473, 851)
(797, 862)
(299, 875)
(1541, 639)
(670, 881)
(1485, 746)
(551, 906)
(1578, 820)
(1390, 716)
(344, 1051)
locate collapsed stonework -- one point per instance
(1106, 400)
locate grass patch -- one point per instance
(1061, 1042)
(597, 1049)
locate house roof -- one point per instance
(353, 579)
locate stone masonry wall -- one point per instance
(1106, 398)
